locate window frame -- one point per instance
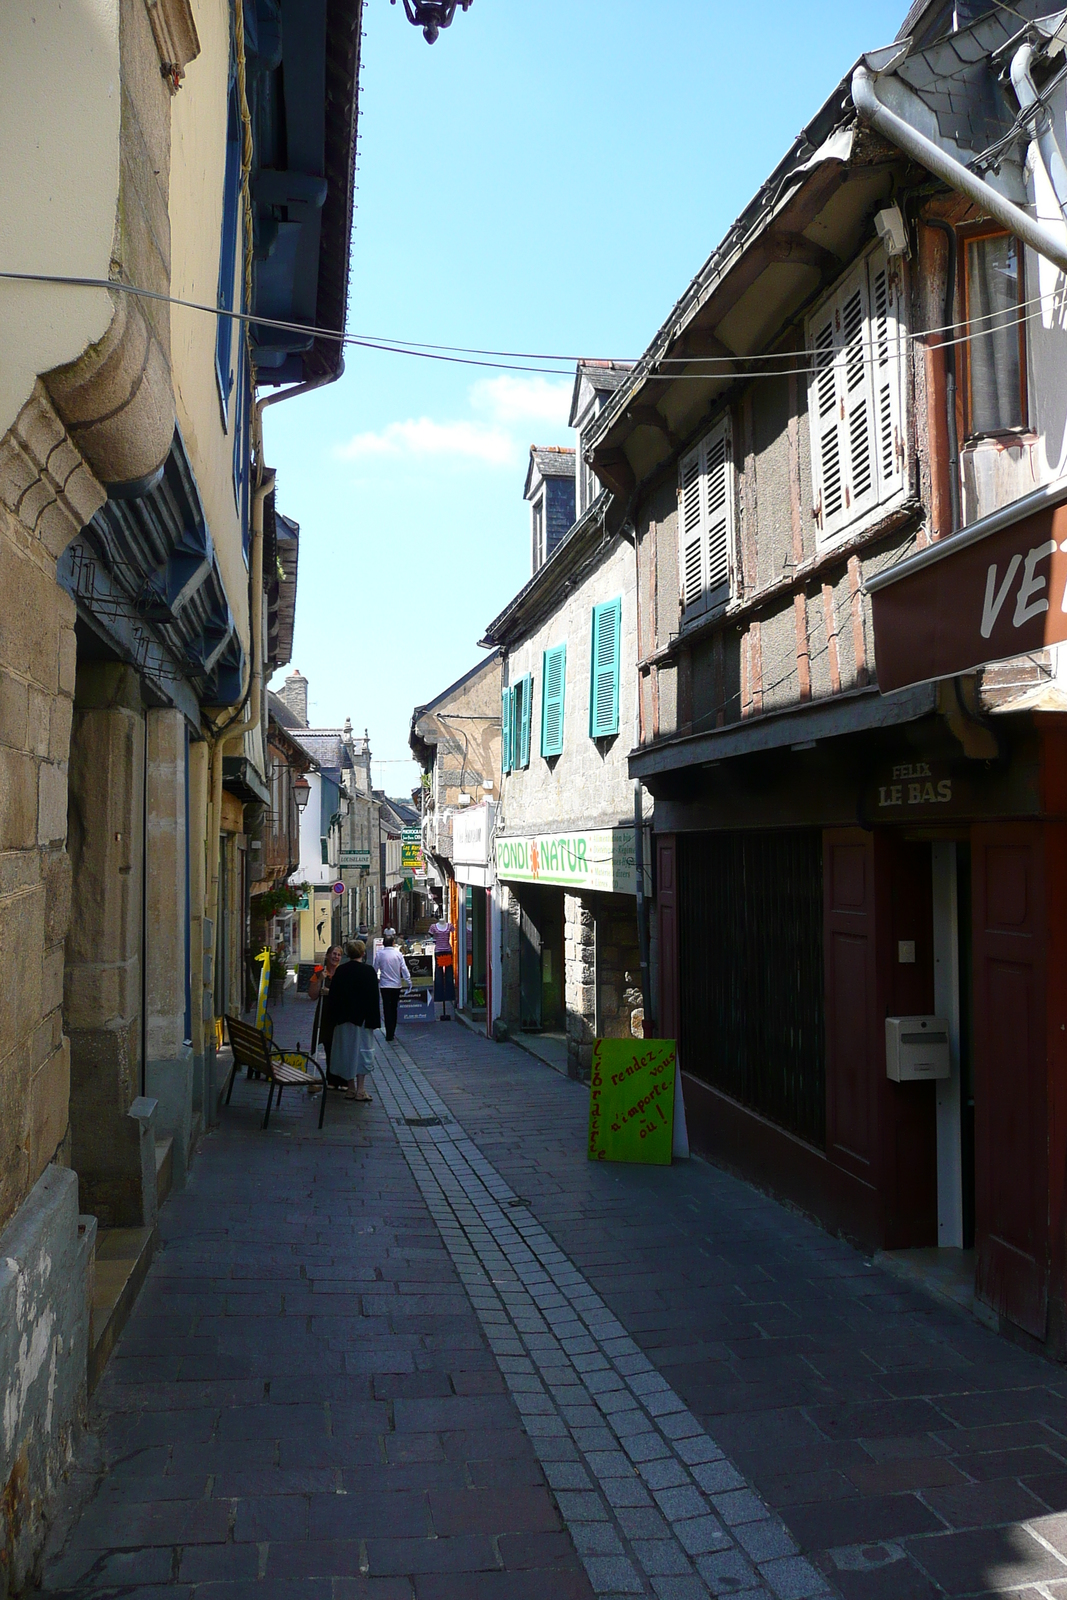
(597, 730)
(967, 236)
(556, 651)
(538, 523)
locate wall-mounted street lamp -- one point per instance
(432, 15)
(302, 790)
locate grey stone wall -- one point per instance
(588, 785)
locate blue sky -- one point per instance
(546, 177)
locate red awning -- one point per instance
(992, 591)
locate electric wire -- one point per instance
(739, 366)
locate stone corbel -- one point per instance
(117, 401)
(176, 38)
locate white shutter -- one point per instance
(691, 532)
(705, 521)
(719, 500)
(854, 396)
(888, 376)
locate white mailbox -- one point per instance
(916, 1048)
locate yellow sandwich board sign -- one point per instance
(631, 1101)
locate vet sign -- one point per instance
(995, 590)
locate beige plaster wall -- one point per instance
(59, 181)
(198, 147)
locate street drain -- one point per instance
(423, 1122)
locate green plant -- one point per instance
(268, 905)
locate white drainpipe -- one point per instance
(1044, 133)
(1051, 245)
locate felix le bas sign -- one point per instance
(995, 590)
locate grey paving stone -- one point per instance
(726, 1572)
(665, 1473)
(612, 1574)
(661, 1557)
(596, 1539)
(700, 1535)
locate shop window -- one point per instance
(855, 400)
(604, 676)
(994, 352)
(706, 523)
(553, 691)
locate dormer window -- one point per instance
(538, 531)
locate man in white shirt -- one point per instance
(393, 976)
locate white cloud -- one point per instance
(513, 410)
(422, 437)
(511, 399)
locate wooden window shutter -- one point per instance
(854, 396)
(553, 688)
(719, 507)
(691, 532)
(706, 521)
(604, 687)
(505, 730)
(525, 710)
(887, 370)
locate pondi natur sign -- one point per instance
(631, 1101)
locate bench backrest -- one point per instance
(250, 1046)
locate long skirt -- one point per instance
(351, 1051)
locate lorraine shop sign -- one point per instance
(601, 859)
(996, 589)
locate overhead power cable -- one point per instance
(779, 363)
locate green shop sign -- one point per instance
(601, 859)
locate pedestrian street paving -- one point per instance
(434, 1352)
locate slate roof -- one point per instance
(956, 79)
(551, 461)
(603, 377)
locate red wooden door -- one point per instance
(667, 1018)
(853, 1018)
(1010, 1073)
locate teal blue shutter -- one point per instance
(525, 712)
(505, 730)
(604, 686)
(553, 686)
(517, 724)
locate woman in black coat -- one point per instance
(351, 1013)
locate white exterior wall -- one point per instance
(588, 785)
(995, 473)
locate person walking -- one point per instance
(444, 983)
(350, 1015)
(393, 978)
(318, 989)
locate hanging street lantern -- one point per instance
(432, 15)
(301, 789)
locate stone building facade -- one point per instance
(564, 847)
(132, 642)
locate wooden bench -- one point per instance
(257, 1052)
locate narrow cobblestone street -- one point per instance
(432, 1352)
